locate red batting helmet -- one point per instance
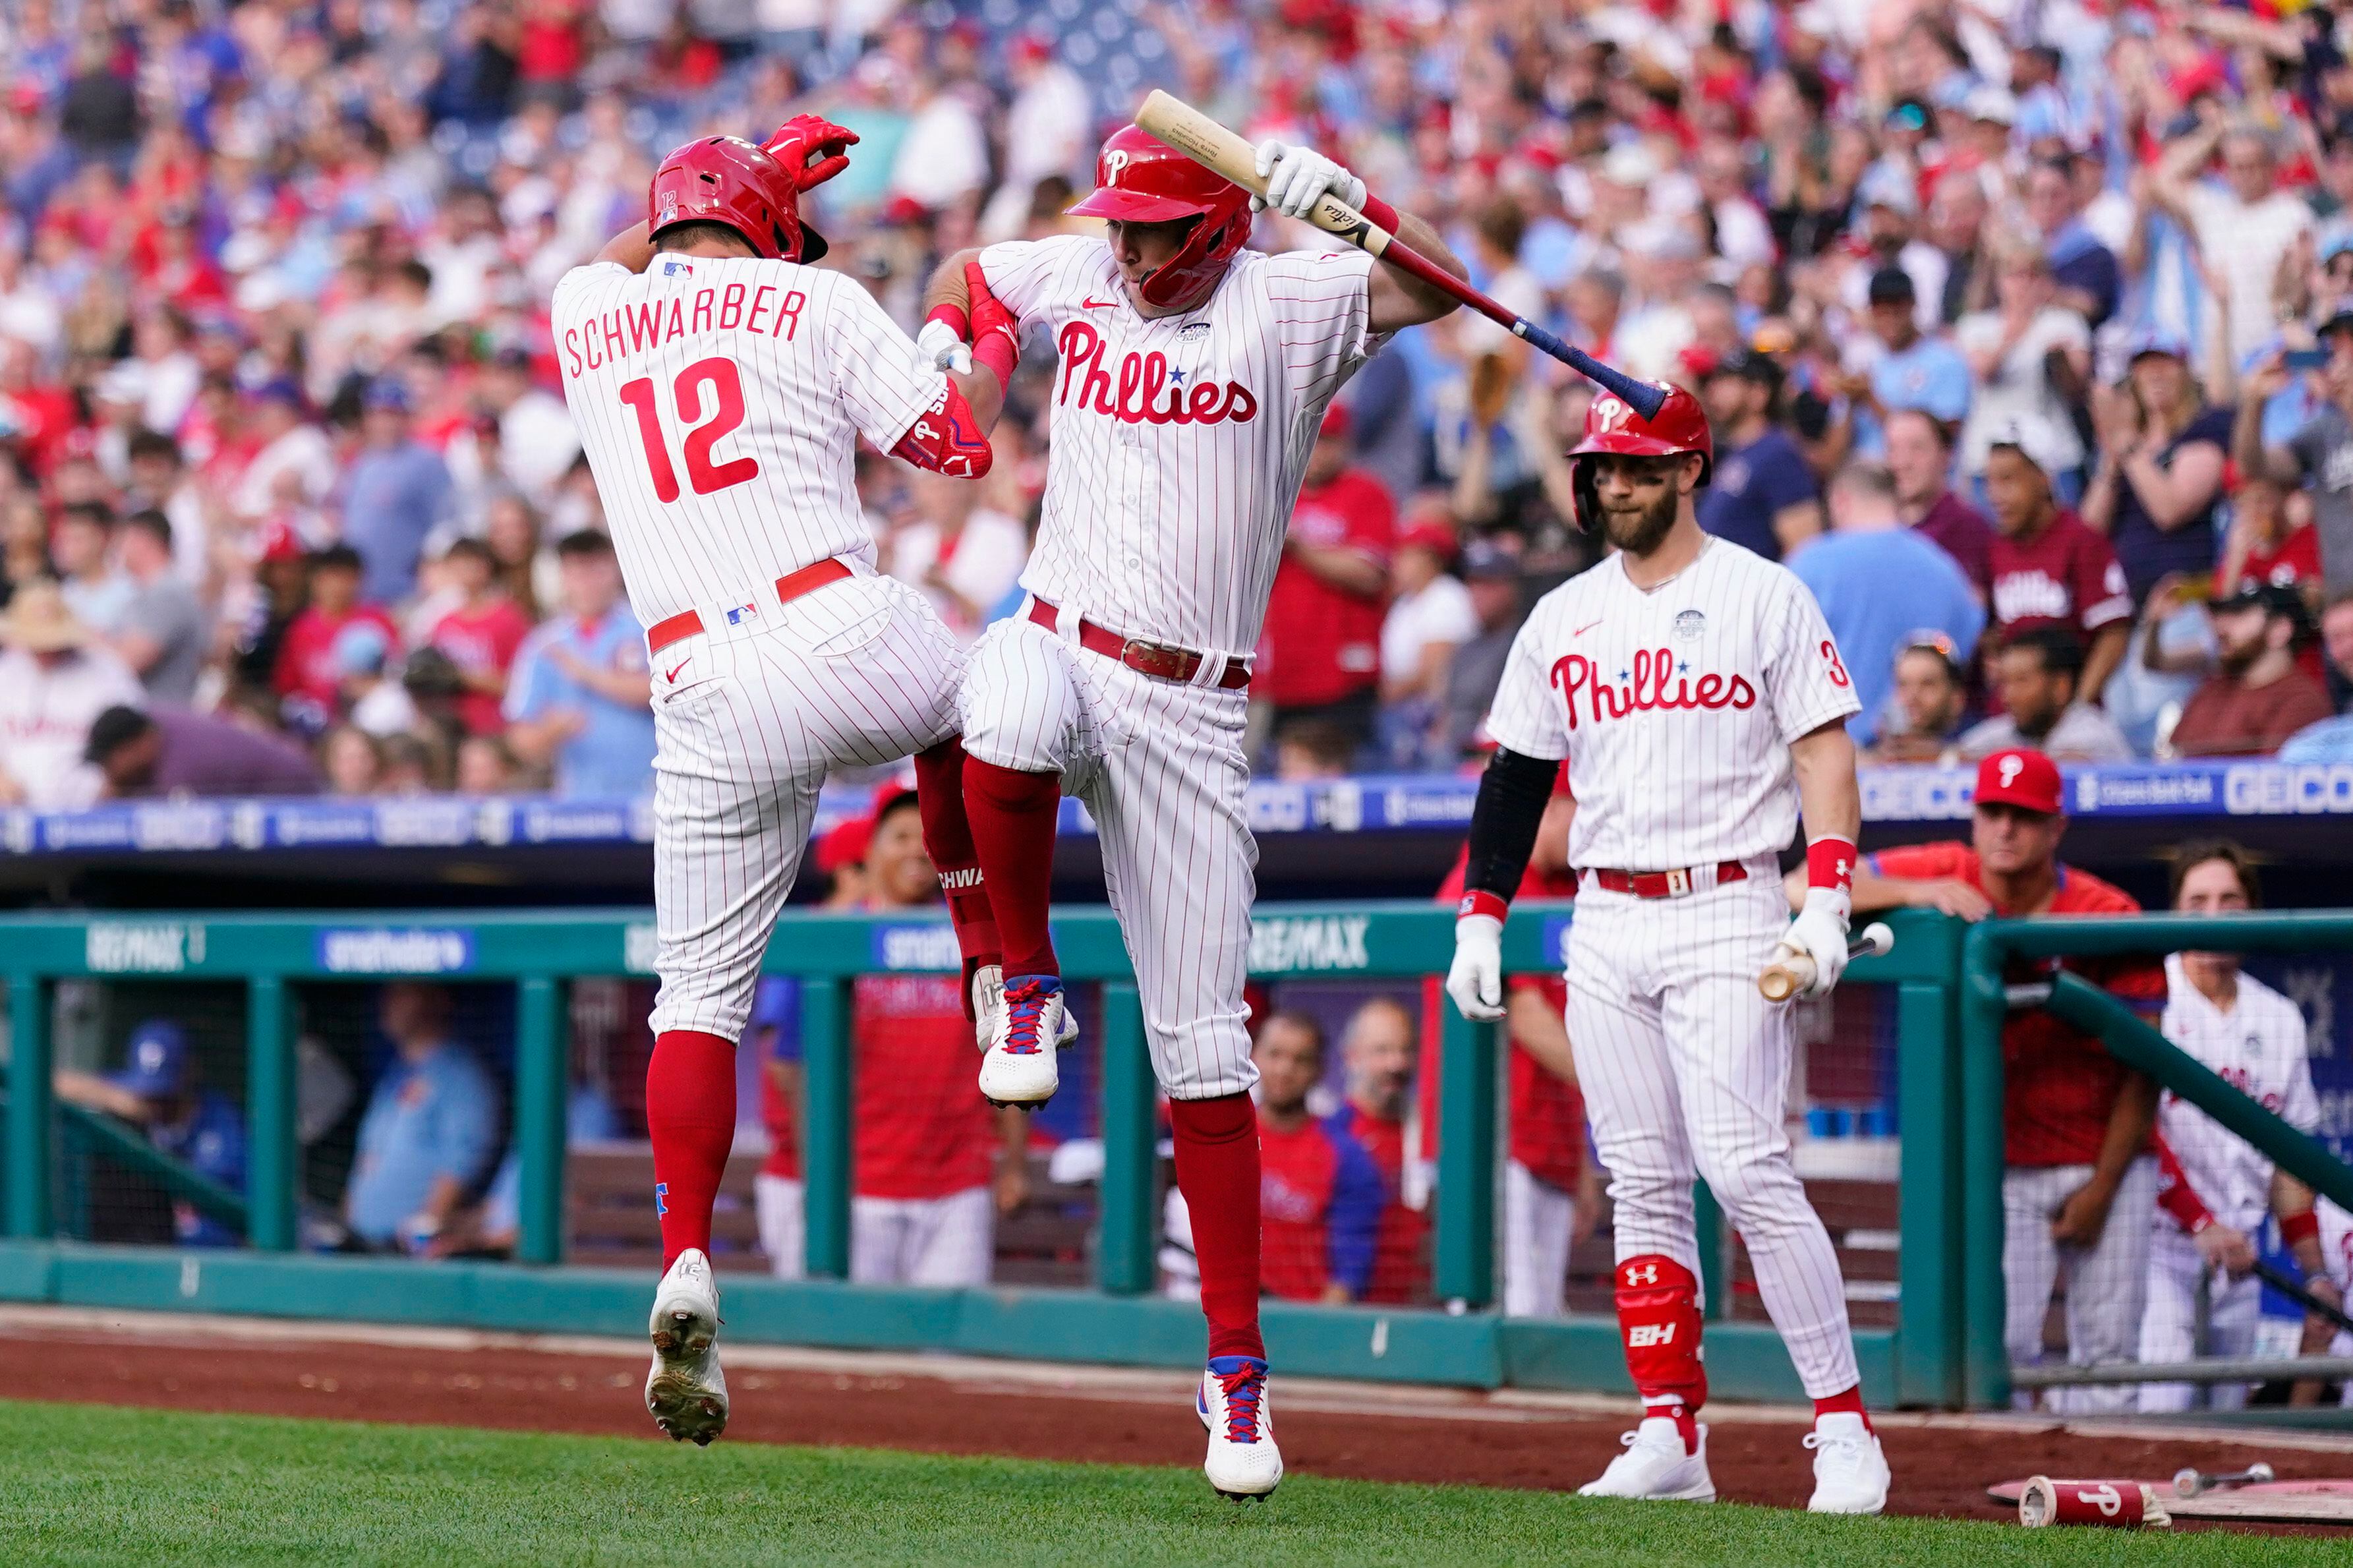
(1141, 179)
(726, 180)
(1611, 425)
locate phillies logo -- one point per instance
(2010, 767)
(1142, 379)
(1644, 686)
(2103, 1496)
(1115, 165)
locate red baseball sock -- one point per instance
(1657, 1317)
(1217, 1171)
(690, 1117)
(947, 838)
(1013, 817)
(1851, 1402)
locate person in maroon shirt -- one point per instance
(1920, 457)
(2260, 695)
(1321, 654)
(2049, 568)
(306, 672)
(482, 634)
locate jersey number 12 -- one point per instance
(726, 384)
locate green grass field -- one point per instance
(86, 1484)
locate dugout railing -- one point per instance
(1919, 1357)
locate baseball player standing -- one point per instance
(1699, 700)
(2216, 1187)
(1194, 377)
(720, 383)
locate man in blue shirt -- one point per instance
(1912, 370)
(1762, 494)
(1880, 586)
(578, 697)
(396, 491)
(201, 1128)
(431, 1129)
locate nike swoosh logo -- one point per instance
(682, 664)
(1587, 628)
(1091, 303)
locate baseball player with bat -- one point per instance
(1700, 701)
(720, 385)
(1194, 375)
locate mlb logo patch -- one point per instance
(677, 266)
(742, 613)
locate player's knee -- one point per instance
(1755, 1190)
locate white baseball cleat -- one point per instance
(1243, 1462)
(1019, 1070)
(1656, 1466)
(685, 1390)
(1850, 1468)
(988, 1002)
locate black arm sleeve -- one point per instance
(1513, 793)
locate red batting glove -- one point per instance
(808, 136)
(996, 335)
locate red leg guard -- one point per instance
(947, 838)
(690, 1117)
(1849, 1402)
(1658, 1317)
(1013, 819)
(1217, 1171)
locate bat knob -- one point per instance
(1877, 940)
(2185, 1481)
(2259, 1472)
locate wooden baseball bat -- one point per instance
(1208, 143)
(1786, 976)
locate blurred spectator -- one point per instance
(961, 555)
(486, 766)
(308, 670)
(394, 494)
(1319, 1191)
(56, 679)
(2079, 1183)
(1931, 699)
(1899, 366)
(163, 632)
(431, 1129)
(2330, 740)
(536, 442)
(1762, 493)
(480, 634)
(2088, 281)
(2269, 543)
(95, 588)
(159, 481)
(2049, 569)
(2259, 697)
(372, 699)
(777, 1189)
(2160, 473)
(2038, 677)
(2243, 224)
(1882, 585)
(1320, 654)
(292, 458)
(1377, 1052)
(168, 751)
(352, 761)
(2319, 455)
(1430, 616)
(1312, 749)
(577, 702)
(1920, 457)
(157, 1091)
(2030, 359)
(1477, 668)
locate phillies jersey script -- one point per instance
(2258, 1049)
(1179, 442)
(1674, 706)
(720, 401)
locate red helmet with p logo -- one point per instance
(1141, 179)
(1612, 425)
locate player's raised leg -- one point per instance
(1179, 867)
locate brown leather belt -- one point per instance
(790, 587)
(1664, 884)
(1157, 659)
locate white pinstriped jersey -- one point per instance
(2258, 1047)
(1179, 442)
(1674, 706)
(720, 401)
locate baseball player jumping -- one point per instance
(720, 383)
(1194, 375)
(1699, 700)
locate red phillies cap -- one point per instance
(2028, 779)
(844, 846)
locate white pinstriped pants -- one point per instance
(2107, 1282)
(2169, 1327)
(1537, 1220)
(748, 719)
(1685, 1070)
(1161, 768)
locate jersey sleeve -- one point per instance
(1919, 862)
(1321, 302)
(2299, 1106)
(2099, 582)
(874, 370)
(1525, 717)
(570, 288)
(1022, 272)
(1805, 678)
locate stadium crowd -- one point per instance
(2027, 336)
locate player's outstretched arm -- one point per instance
(633, 247)
(1399, 299)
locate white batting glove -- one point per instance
(1475, 980)
(1297, 178)
(1820, 934)
(937, 348)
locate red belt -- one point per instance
(1156, 659)
(1664, 884)
(790, 587)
